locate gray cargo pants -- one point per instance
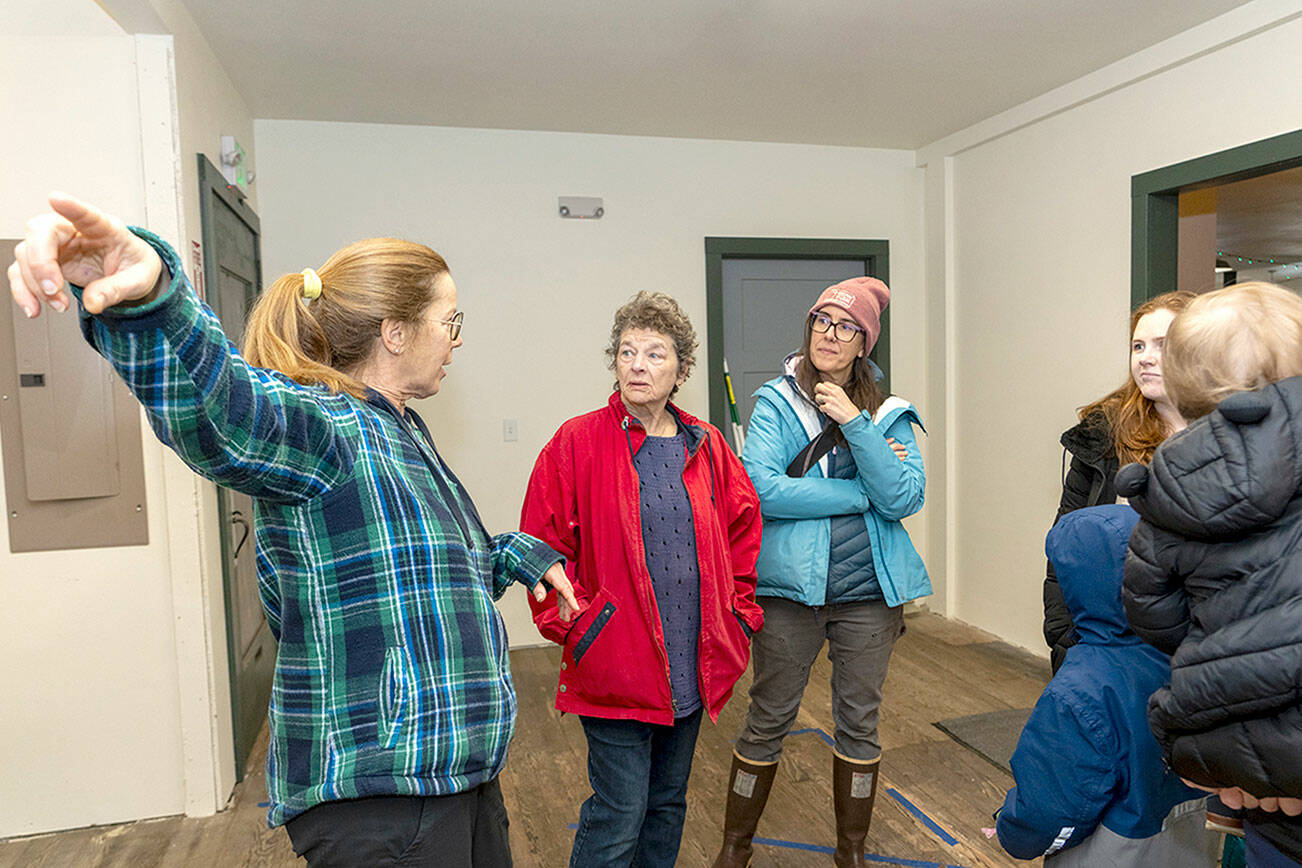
(860, 637)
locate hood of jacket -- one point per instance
(1090, 439)
(1235, 469)
(1088, 551)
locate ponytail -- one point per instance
(282, 334)
(324, 339)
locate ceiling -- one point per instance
(868, 73)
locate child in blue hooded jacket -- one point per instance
(1091, 789)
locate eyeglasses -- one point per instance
(845, 330)
(454, 324)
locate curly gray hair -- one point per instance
(660, 312)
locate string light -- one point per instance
(1282, 271)
(1257, 260)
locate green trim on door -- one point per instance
(1155, 197)
(875, 256)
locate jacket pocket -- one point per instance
(395, 684)
(592, 631)
(745, 628)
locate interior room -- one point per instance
(1007, 162)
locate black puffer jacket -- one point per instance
(1088, 483)
(1214, 577)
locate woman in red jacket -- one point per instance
(660, 527)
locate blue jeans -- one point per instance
(638, 772)
(1261, 853)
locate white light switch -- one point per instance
(509, 433)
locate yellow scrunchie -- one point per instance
(311, 284)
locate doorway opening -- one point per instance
(1202, 186)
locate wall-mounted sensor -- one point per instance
(580, 207)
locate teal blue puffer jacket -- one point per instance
(797, 527)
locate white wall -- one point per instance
(89, 724)
(208, 105)
(114, 659)
(1037, 265)
(539, 292)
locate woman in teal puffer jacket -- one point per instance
(836, 466)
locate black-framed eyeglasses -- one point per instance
(844, 332)
(454, 324)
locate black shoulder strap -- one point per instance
(813, 451)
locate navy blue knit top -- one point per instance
(669, 538)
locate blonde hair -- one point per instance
(325, 340)
(1232, 340)
(1137, 429)
(658, 312)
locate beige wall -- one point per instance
(90, 721)
(115, 681)
(539, 291)
(208, 108)
(1035, 267)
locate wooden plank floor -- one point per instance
(940, 669)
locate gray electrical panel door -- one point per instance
(70, 429)
(232, 277)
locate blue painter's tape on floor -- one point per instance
(819, 848)
(794, 845)
(868, 857)
(264, 804)
(908, 806)
(926, 821)
(821, 734)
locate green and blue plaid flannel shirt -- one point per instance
(375, 570)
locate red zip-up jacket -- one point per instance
(583, 501)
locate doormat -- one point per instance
(992, 735)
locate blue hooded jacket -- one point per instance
(1086, 757)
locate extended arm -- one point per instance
(245, 427)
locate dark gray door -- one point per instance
(758, 319)
(764, 306)
(232, 266)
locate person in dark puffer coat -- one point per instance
(1214, 570)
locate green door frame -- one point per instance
(1155, 204)
(875, 256)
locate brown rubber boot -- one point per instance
(854, 787)
(748, 790)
